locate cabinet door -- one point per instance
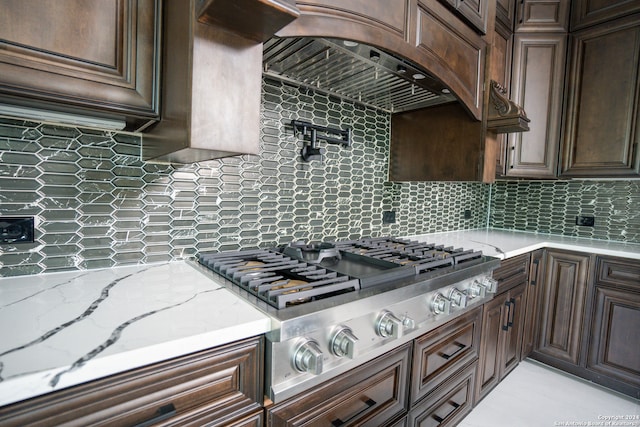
(542, 16)
(537, 85)
(491, 346)
(515, 317)
(613, 350)
(563, 306)
(602, 111)
(534, 286)
(589, 12)
(370, 395)
(91, 56)
(474, 11)
(505, 12)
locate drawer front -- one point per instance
(512, 272)
(618, 271)
(450, 404)
(218, 386)
(370, 395)
(441, 353)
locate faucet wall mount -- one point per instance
(312, 134)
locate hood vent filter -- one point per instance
(353, 71)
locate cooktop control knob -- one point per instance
(343, 342)
(477, 289)
(491, 284)
(458, 298)
(388, 325)
(308, 357)
(440, 304)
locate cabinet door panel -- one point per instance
(515, 323)
(613, 350)
(537, 85)
(564, 298)
(602, 119)
(534, 287)
(589, 12)
(98, 55)
(491, 347)
(543, 15)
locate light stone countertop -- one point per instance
(63, 329)
(506, 244)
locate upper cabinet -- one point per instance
(584, 116)
(602, 115)
(475, 12)
(91, 57)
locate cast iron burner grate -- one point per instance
(278, 279)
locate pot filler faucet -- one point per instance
(312, 134)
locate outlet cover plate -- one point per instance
(15, 229)
(388, 217)
(585, 220)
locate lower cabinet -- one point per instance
(563, 307)
(373, 394)
(222, 386)
(612, 355)
(503, 325)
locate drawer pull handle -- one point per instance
(505, 327)
(534, 276)
(370, 403)
(440, 419)
(163, 412)
(458, 350)
(512, 313)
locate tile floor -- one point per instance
(535, 395)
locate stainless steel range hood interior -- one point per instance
(353, 71)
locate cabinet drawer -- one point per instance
(451, 402)
(370, 395)
(616, 271)
(218, 386)
(439, 354)
(512, 272)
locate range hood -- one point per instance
(353, 71)
(373, 77)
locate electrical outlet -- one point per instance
(467, 214)
(585, 220)
(389, 217)
(16, 229)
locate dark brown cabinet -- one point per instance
(563, 306)
(542, 16)
(537, 85)
(473, 11)
(371, 395)
(503, 325)
(216, 387)
(98, 57)
(585, 13)
(602, 110)
(440, 354)
(615, 324)
(535, 286)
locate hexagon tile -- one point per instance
(98, 205)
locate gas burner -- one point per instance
(314, 252)
(278, 279)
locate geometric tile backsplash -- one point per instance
(98, 205)
(552, 207)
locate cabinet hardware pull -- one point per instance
(440, 419)
(505, 327)
(458, 350)
(162, 413)
(512, 313)
(534, 276)
(370, 403)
